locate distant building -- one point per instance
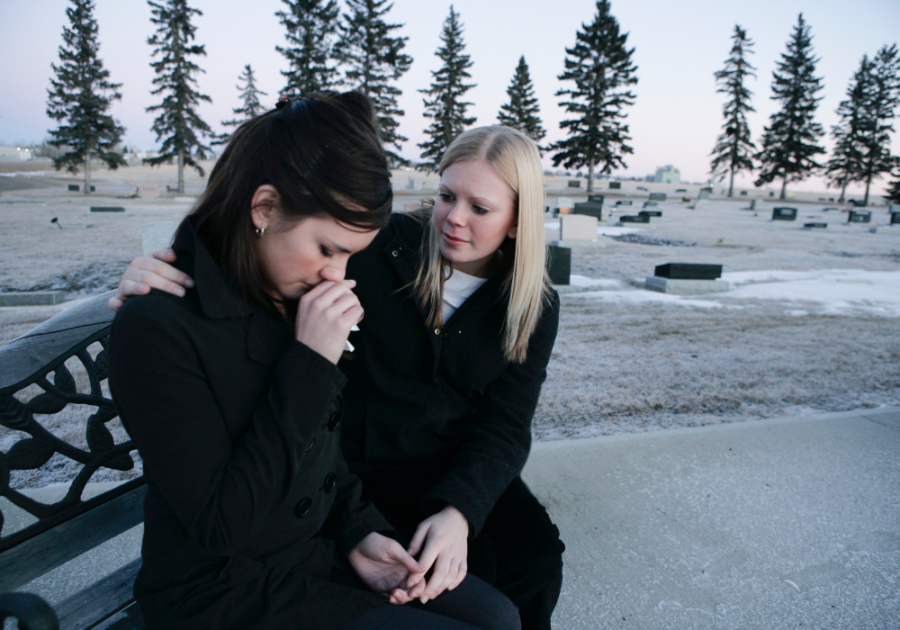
(667, 175)
(16, 153)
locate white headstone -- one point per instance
(157, 235)
(564, 202)
(577, 227)
(149, 190)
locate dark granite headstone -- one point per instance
(657, 196)
(650, 213)
(615, 185)
(74, 187)
(107, 209)
(589, 208)
(689, 271)
(678, 190)
(559, 264)
(784, 214)
(857, 202)
(707, 189)
(895, 218)
(623, 202)
(743, 193)
(650, 204)
(574, 183)
(596, 198)
(635, 218)
(859, 216)
(815, 225)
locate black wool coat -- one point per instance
(248, 500)
(439, 403)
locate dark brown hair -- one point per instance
(321, 153)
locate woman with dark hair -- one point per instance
(232, 396)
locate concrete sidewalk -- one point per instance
(790, 523)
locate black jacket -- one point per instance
(438, 403)
(247, 494)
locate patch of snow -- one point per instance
(583, 281)
(24, 174)
(836, 290)
(609, 230)
(637, 297)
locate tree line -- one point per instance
(360, 50)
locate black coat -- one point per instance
(248, 500)
(443, 404)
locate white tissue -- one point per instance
(348, 347)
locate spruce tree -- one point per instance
(178, 124)
(846, 163)
(881, 101)
(373, 60)
(444, 104)
(734, 150)
(789, 145)
(311, 32)
(600, 67)
(522, 111)
(251, 107)
(80, 96)
(893, 190)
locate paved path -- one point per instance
(791, 523)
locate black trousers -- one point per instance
(518, 549)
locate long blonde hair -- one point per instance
(517, 161)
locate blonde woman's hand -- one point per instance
(444, 537)
(385, 566)
(151, 272)
(325, 316)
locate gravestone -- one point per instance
(624, 202)
(687, 279)
(574, 183)
(564, 205)
(753, 204)
(33, 298)
(599, 198)
(74, 187)
(858, 203)
(784, 214)
(149, 190)
(893, 207)
(411, 184)
(650, 213)
(859, 216)
(157, 235)
(634, 219)
(895, 218)
(615, 185)
(830, 209)
(743, 193)
(657, 196)
(688, 271)
(686, 198)
(107, 209)
(771, 193)
(577, 227)
(650, 204)
(704, 194)
(559, 264)
(589, 208)
(681, 190)
(815, 224)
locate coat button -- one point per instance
(330, 482)
(334, 421)
(303, 507)
(310, 445)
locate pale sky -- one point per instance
(678, 46)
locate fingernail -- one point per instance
(424, 600)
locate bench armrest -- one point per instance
(32, 612)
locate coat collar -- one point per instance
(267, 337)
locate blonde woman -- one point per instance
(459, 325)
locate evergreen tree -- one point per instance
(882, 99)
(600, 66)
(846, 163)
(373, 60)
(522, 111)
(789, 142)
(311, 31)
(444, 104)
(251, 107)
(893, 190)
(178, 124)
(734, 150)
(81, 95)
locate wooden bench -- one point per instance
(72, 347)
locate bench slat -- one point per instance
(128, 619)
(89, 607)
(36, 556)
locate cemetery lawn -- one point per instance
(811, 324)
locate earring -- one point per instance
(259, 232)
